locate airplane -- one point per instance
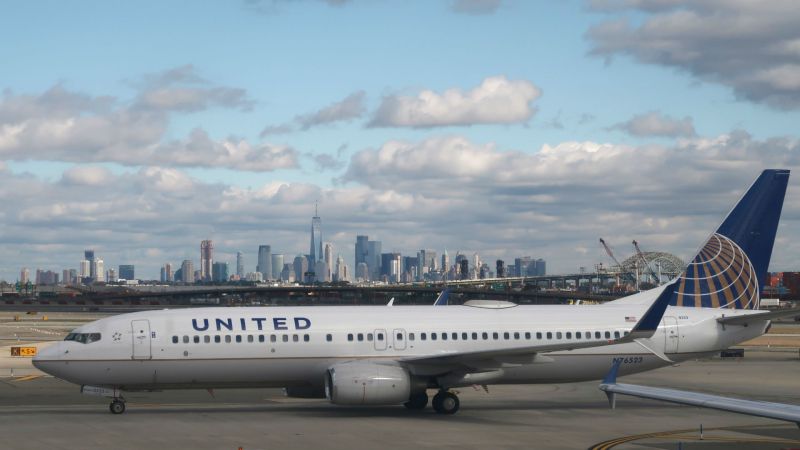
(374, 355)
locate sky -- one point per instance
(499, 127)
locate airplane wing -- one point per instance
(486, 359)
(441, 300)
(764, 315)
(779, 411)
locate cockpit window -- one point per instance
(83, 338)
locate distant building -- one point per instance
(166, 273)
(187, 271)
(219, 272)
(206, 259)
(315, 252)
(111, 276)
(287, 273)
(98, 270)
(264, 261)
(374, 259)
(445, 261)
(328, 258)
(361, 249)
(277, 266)
(239, 264)
(463, 269)
(85, 269)
(88, 255)
(362, 272)
(300, 267)
(24, 275)
(126, 272)
(501, 269)
(341, 270)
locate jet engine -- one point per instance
(365, 383)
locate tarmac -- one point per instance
(39, 412)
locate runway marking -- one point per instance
(27, 378)
(681, 435)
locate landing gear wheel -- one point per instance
(446, 403)
(117, 406)
(417, 400)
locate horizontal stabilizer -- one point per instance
(764, 315)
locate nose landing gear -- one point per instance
(117, 405)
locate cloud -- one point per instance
(182, 89)
(441, 192)
(656, 124)
(63, 125)
(752, 47)
(475, 6)
(496, 100)
(351, 107)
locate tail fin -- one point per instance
(731, 268)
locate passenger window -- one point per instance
(227, 338)
(485, 335)
(249, 338)
(558, 335)
(261, 338)
(616, 335)
(608, 335)
(528, 335)
(295, 338)
(285, 338)
(329, 337)
(306, 338)
(625, 333)
(454, 336)
(474, 336)
(273, 338)
(577, 335)
(444, 336)
(174, 339)
(196, 339)
(380, 336)
(433, 336)
(549, 335)
(506, 335)
(495, 336)
(538, 335)
(399, 336)
(569, 335)
(350, 337)
(597, 335)
(217, 339)
(369, 337)
(464, 336)
(206, 339)
(410, 336)
(238, 338)
(360, 337)
(185, 339)
(423, 336)
(516, 335)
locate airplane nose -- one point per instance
(47, 356)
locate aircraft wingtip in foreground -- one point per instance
(377, 355)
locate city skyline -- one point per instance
(474, 133)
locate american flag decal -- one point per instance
(630, 319)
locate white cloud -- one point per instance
(657, 124)
(349, 108)
(87, 176)
(496, 100)
(750, 46)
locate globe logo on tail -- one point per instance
(720, 276)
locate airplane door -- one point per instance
(380, 339)
(399, 337)
(671, 335)
(141, 339)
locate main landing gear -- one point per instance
(117, 405)
(446, 402)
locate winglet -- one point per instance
(611, 376)
(611, 379)
(648, 324)
(442, 299)
(391, 302)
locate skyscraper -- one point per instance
(328, 258)
(98, 270)
(187, 271)
(445, 261)
(24, 275)
(361, 249)
(374, 259)
(240, 265)
(168, 275)
(219, 272)
(264, 261)
(300, 268)
(277, 265)
(88, 255)
(340, 276)
(315, 253)
(126, 272)
(206, 259)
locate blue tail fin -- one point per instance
(731, 268)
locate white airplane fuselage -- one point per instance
(294, 346)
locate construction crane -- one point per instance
(640, 253)
(631, 276)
